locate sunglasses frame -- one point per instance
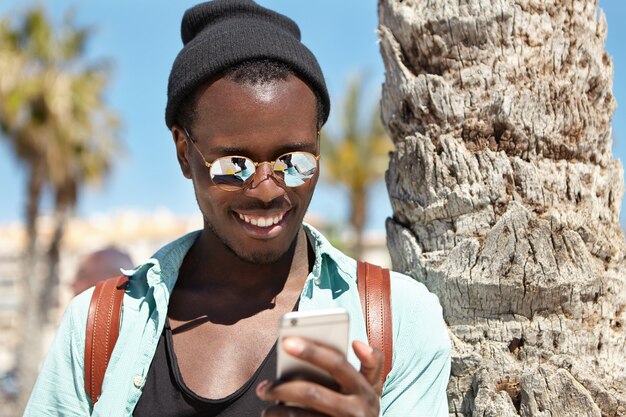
(256, 164)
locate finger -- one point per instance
(262, 388)
(284, 411)
(371, 363)
(330, 360)
(313, 396)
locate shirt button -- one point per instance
(317, 281)
(137, 381)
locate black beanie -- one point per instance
(220, 34)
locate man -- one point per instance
(99, 265)
(200, 318)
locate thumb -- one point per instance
(371, 363)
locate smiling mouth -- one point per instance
(262, 221)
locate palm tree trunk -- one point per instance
(357, 218)
(65, 199)
(506, 198)
(28, 353)
(33, 201)
(48, 299)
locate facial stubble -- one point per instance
(241, 253)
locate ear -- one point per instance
(182, 150)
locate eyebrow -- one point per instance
(288, 147)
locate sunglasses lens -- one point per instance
(295, 168)
(231, 172)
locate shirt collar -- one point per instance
(333, 272)
(164, 265)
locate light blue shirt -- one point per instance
(415, 387)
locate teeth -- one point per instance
(260, 221)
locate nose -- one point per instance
(265, 186)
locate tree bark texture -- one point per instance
(506, 197)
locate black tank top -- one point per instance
(166, 395)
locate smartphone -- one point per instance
(329, 326)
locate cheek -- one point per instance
(208, 199)
(310, 187)
(202, 184)
(303, 195)
(313, 181)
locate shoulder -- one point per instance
(63, 366)
(77, 311)
(412, 297)
(419, 376)
(74, 322)
(417, 314)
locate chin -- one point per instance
(258, 258)
(259, 252)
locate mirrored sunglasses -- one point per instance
(232, 173)
(235, 172)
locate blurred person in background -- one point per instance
(101, 264)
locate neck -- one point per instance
(211, 266)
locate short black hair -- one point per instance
(252, 72)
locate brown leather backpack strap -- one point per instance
(375, 293)
(103, 327)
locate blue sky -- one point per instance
(141, 39)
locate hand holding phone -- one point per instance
(329, 327)
(358, 391)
